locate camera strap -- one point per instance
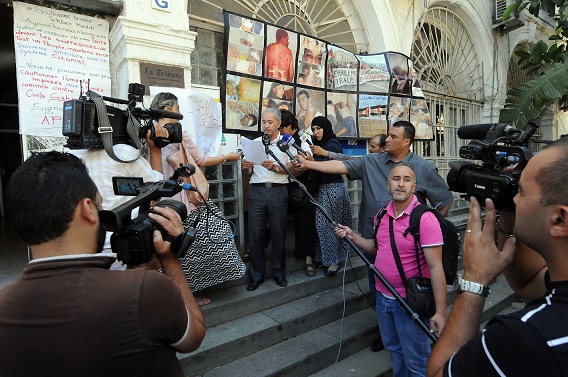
(105, 129)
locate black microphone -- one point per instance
(290, 140)
(304, 136)
(266, 140)
(284, 148)
(159, 113)
(475, 131)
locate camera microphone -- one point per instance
(475, 131)
(304, 136)
(159, 113)
(286, 149)
(290, 140)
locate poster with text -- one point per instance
(374, 75)
(56, 53)
(342, 68)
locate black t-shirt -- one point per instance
(530, 342)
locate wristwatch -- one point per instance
(276, 169)
(470, 286)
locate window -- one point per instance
(207, 57)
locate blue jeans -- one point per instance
(408, 344)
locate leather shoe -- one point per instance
(253, 285)
(377, 344)
(329, 272)
(281, 281)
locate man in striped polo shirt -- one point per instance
(534, 340)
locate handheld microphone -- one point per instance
(290, 140)
(304, 136)
(284, 148)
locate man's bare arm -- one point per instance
(330, 167)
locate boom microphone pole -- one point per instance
(354, 247)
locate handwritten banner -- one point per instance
(56, 51)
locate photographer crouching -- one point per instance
(534, 340)
(69, 315)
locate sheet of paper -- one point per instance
(253, 150)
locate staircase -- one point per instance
(319, 326)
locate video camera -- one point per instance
(132, 239)
(87, 119)
(502, 146)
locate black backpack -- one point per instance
(451, 234)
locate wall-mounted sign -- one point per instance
(161, 5)
(161, 75)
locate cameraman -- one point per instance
(69, 315)
(534, 340)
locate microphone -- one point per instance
(284, 148)
(188, 187)
(290, 140)
(159, 113)
(475, 131)
(266, 140)
(304, 136)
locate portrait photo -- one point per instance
(242, 96)
(400, 82)
(309, 104)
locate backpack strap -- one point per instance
(382, 212)
(414, 230)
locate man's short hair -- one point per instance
(409, 130)
(552, 178)
(274, 111)
(382, 140)
(254, 120)
(281, 33)
(304, 92)
(288, 119)
(43, 194)
(403, 164)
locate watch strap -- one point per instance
(472, 287)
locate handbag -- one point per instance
(213, 257)
(296, 196)
(419, 292)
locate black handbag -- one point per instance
(419, 292)
(296, 196)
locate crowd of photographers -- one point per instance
(71, 313)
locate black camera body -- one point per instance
(82, 124)
(132, 239)
(502, 147)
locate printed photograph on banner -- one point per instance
(399, 109)
(246, 43)
(372, 115)
(341, 69)
(421, 119)
(277, 95)
(374, 74)
(311, 68)
(416, 89)
(281, 47)
(341, 110)
(241, 111)
(400, 82)
(309, 104)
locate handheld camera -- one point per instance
(503, 146)
(132, 239)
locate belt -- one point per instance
(269, 184)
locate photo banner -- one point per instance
(56, 53)
(271, 66)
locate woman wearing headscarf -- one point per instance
(333, 197)
(206, 263)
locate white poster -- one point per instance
(55, 52)
(202, 117)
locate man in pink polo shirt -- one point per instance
(408, 344)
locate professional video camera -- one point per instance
(132, 239)
(502, 146)
(89, 123)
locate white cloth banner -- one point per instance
(55, 51)
(201, 117)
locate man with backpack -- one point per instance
(399, 259)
